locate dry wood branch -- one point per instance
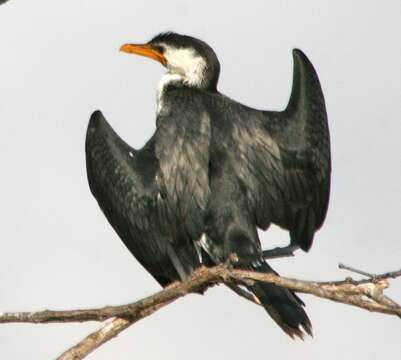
(366, 294)
(96, 339)
(104, 334)
(197, 281)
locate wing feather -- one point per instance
(182, 148)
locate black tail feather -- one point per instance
(285, 308)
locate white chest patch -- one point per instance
(165, 80)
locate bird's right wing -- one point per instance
(122, 181)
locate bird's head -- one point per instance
(189, 61)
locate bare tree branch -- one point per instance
(104, 334)
(366, 294)
(198, 280)
(392, 274)
(356, 271)
(96, 339)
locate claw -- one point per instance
(279, 252)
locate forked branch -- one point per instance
(366, 294)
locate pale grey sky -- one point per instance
(59, 61)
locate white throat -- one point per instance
(183, 66)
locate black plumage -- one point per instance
(215, 171)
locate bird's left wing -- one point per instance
(283, 158)
(182, 148)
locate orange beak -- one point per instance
(144, 50)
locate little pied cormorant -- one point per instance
(213, 172)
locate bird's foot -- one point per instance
(279, 252)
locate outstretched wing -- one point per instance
(123, 182)
(283, 158)
(302, 133)
(182, 148)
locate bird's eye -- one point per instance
(159, 48)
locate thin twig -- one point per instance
(356, 271)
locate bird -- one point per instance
(214, 172)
